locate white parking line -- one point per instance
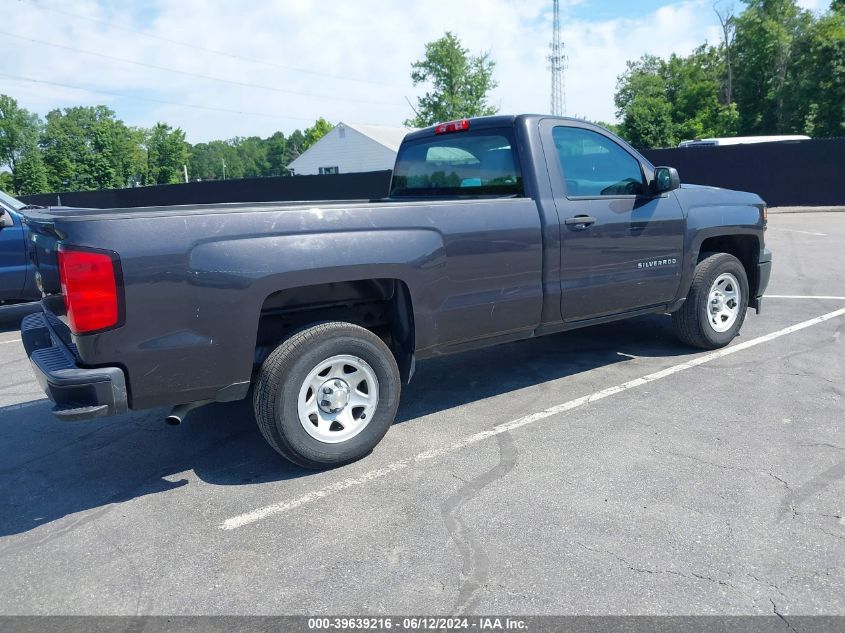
(778, 228)
(803, 297)
(278, 508)
(14, 340)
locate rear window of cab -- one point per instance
(470, 163)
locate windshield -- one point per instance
(479, 163)
(8, 201)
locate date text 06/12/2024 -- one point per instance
(417, 623)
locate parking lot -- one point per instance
(601, 471)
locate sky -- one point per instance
(224, 69)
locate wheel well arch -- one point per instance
(381, 305)
(746, 248)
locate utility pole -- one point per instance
(557, 64)
(224, 168)
(185, 171)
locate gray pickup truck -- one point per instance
(495, 229)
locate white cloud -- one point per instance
(814, 5)
(369, 39)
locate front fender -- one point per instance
(713, 212)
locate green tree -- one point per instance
(19, 131)
(642, 104)
(296, 144)
(317, 131)
(242, 158)
(817, 101)
(610, 127)
(276, 152)
(167, 153)
(7, 183)
(661, 102)
(129, 155)
(695, 88)
(767, 33)
(30, 173)
(88, 148)
(252, 154)
(207, 160)
(459, 82)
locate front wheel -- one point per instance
(715, 308)
(327, 395)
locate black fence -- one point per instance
(810, 173)
(799, 173)
(363, 186)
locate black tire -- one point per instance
(691, 323)
(283, 373)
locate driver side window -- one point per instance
(593, 165)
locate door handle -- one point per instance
(580, 221)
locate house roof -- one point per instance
(390, 137)
(387, 136)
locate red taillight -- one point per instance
(89, 286)
(452, 126)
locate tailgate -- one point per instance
(43, 250)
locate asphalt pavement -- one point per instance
(604, 471)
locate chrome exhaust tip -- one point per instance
(178, 414)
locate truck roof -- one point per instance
(493, 121)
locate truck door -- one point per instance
(620, 246)
(13, 261)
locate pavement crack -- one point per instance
(701, 460)
(476, 564)
(459, 478)
(724, 583)
(628, 564)
(644, 570)
(790, 501)
(821, 445)
(782, 617)
(823, 531)
(768, 583)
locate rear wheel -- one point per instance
(715, 308)
(327, 395)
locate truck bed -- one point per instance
(198, 280)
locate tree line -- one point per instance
(88, 148)
(778, 70)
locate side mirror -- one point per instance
(5, 218)
(665, 179)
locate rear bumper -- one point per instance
(79, 393)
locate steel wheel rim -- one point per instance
(338, 399)
(723, 302)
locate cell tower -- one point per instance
(557, 64)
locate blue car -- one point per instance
(17, 272)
